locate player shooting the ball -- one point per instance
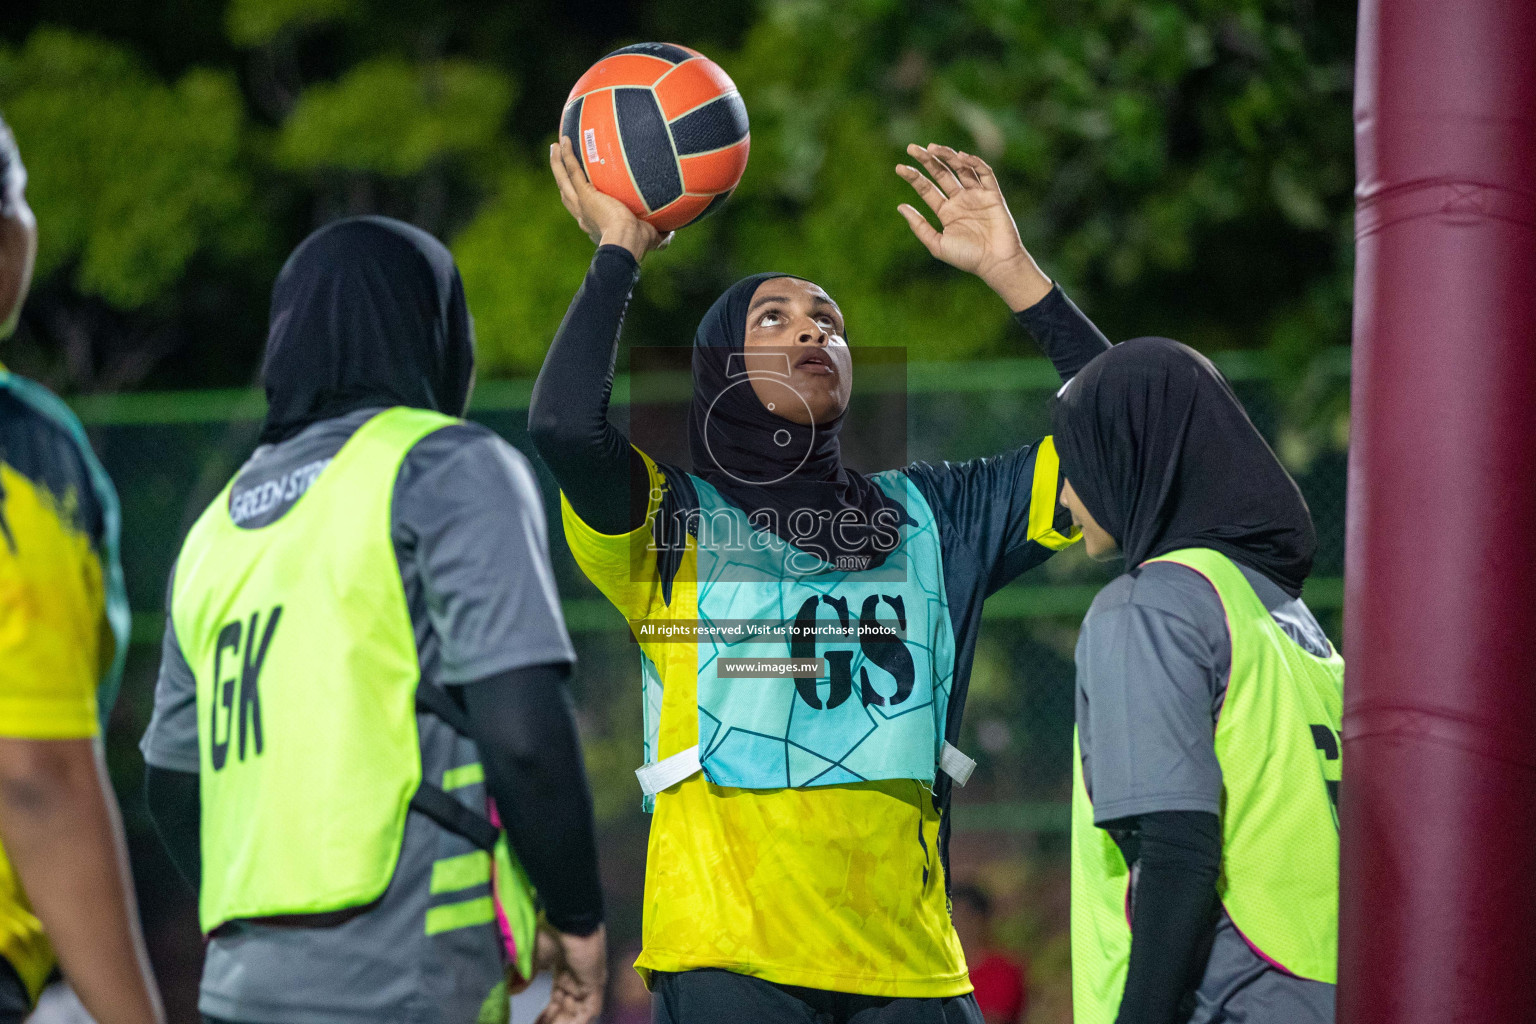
(796, 866)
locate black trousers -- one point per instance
(14, 1004)
(724, 997)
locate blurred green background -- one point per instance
(1183, 168)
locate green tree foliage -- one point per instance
(1184, 166)
(395, 118)
(521, 259)
(259, 22)
(130, 176)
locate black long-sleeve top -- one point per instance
(602, 476)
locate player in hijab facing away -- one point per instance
(66, 894)
(341, 834)
(1208, 709)
(797, 849)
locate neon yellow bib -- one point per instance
(301, 643)
(1277, 741)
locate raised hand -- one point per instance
(976, 232)
(605, 219)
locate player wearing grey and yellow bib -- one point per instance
(1204, 822)
(364, 659)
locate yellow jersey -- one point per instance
(838, 887)
(63, 616)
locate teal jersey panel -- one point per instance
(650, 716)
(878, 709)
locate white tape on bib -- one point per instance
(669, 771)
(955, 764)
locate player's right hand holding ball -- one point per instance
(605, 220)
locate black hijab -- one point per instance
(762, 463)
(1163, 456)
(367, 312)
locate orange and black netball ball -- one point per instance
(661, 128)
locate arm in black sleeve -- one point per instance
(175, 809)
(1172, 914)
(1067, 337)
(602, 476)
(524, 726)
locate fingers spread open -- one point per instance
(984, 173)
(925, 188)
(968, 171)
(957, 164)
(973, 168)
(941, 174)
(921, 228)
